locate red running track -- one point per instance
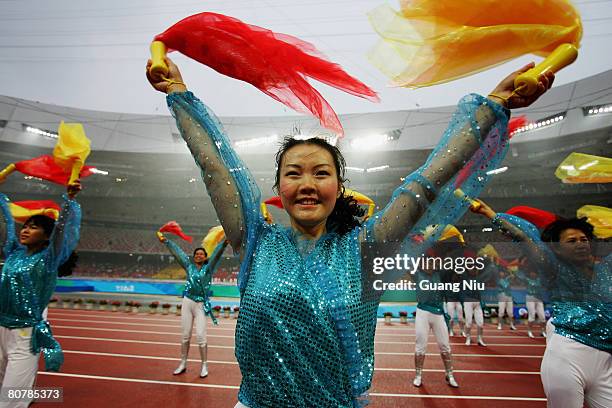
(115, 359)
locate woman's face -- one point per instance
(31, 235)
(574, 246)
(199, 256)
(308, 184)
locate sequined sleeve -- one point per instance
(178, 254)
(214, 259)
(474, 143)
(233, 191)
(65, 235)
(8, 238)
(527, 234)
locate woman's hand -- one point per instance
(74, 189)
(173, 82)
(482, 209)
(505, 94)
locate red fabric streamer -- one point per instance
(275, 201)
(173, 227)
(44, 167)
(277, 64)
(537, 217)
(516, 123)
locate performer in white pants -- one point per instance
(430, 316)
(27, 280)
(577, 364)
(454, 307)
(504, 298)
(195, 298)
(533, 300)
(472, 305)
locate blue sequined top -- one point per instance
(535, 287)
(430, 300)
(197, 286)
(305, 334)
(582, 307)
(27, 281)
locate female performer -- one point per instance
(305, 335)
(27, 282)
(577, 363)
(430, 316)
(195, 298)
(533, 300)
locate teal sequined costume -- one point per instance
(305, 334)
(27, 281)
(430, 300)
(197, 286)
(582, 308)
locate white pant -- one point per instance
(506, 307)
(423, 322)
(573, 372)
(451, 307)
(191, 311)
(240, 405)
(533, 309)
(473, 309)
(18, 365)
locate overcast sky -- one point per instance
(91, 55)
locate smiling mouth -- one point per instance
(307, 201)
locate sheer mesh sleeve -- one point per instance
(214, 259)
(178, 254)
(474, 143)
(524, 232)
(233, 191)
(65, 235)
(8, 238)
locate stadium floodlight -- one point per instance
(38, 131)
(542, 123)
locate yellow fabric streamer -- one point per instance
(361, 199)
(72, 148)
(214, 237)
(585, 168)
(450, 231)
(21, 214)
(488, 251)
(434, 41)
(599, 217)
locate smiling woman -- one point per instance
(305, 334)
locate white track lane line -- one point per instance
(234, 387)
(232, 347)
(147, 357)
(176, 333)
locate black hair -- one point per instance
(48, 224)
(200, 249)
(344, 216)
(42, 221)
(552, 232)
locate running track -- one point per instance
(116, 359)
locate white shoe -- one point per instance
(451, 333)
(451, 380)
(530, 334)
(204, 371)
(181, 368)
(418, 380)
(544, 334)
(463, 334)
(481, 342)
(468, 341)
(499, 326)
(512, 326)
